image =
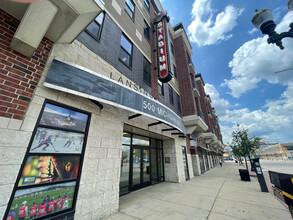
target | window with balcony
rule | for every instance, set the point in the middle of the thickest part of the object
(95, 28)
(125, 55)
(146, 71)
(129, 7)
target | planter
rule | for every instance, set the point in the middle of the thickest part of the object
(244, 175)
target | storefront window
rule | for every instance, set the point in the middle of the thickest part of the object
(140, 140)
(126, 138)
(141, 163)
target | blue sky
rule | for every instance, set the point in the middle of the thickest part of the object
(238, 66)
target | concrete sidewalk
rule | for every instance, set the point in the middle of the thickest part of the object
(218, 194)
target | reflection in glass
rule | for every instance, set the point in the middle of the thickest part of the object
(146, 166)
(154, 164)
(124, 173)
(126, 138)
(185, 162)
(160, 163)
(136, 166)
(139, 140)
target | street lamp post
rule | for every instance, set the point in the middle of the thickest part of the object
(264, 21)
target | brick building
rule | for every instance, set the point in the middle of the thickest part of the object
(83, 116)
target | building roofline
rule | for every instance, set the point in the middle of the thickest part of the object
(180, 25)
(199, 75)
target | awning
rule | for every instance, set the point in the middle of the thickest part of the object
(82, 82)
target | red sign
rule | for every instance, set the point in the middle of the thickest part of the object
(164, 72)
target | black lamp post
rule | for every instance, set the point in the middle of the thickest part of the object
(264, 21)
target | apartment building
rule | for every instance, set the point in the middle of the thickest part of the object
(98, 99)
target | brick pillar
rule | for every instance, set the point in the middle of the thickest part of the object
(19, 74)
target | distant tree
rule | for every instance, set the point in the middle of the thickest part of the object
(242, 145)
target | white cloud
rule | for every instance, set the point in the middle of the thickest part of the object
(274, 123)
(207, 30)
(221, 105)
(256, 60)
(253, 30)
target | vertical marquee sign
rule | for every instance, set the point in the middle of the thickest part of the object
(164, 67)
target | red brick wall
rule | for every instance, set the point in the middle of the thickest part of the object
(187, 99)
(202, 102)
(154, 73)
(19, 75)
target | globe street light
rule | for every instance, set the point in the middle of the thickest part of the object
(264, 21)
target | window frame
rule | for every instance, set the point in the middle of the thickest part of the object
(146, 26)
(144, 72)
(171, 95)
(172, 48)
(133, 12)
(147, 5)
(175, 71)
(161, 88)
(98, 37)
(130, 55)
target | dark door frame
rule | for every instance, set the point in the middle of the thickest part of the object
(142, 183)
(186, 159)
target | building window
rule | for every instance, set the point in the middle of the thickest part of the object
(95, 28)
(172, 48)
(129, 7)
(188, 58)
(146, 71)
(147, 4)
(171, 96)
(146, 30)
(161, 88)
(178, 103)
(125, 51)
(175, 71)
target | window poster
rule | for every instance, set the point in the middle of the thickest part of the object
(56, 141)
(38, 202)
(46, 169)
(50, 173)
(60, 117)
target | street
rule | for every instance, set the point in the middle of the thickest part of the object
(277, 166)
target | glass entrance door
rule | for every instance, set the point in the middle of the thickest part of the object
(141, 168)
(201, 161)
(185, 163)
